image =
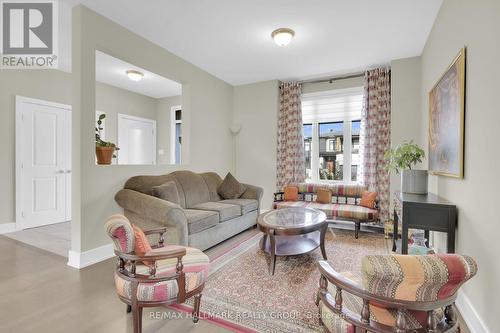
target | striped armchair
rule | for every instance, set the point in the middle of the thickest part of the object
(395, 293)
(166, 275)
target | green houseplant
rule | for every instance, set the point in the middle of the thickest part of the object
(104, 150)
(402, 159)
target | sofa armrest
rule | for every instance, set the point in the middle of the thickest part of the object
(153, 208)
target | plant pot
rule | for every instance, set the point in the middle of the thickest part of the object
(104, 155)
(414, 181)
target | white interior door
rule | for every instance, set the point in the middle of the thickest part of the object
(43, 162)
(136, 140)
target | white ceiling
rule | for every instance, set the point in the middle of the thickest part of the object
(111, 71)
(231, 38)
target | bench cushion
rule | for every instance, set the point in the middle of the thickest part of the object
(226, 211)
(247, 205)
(333, 211)
(343, 190)
(199, 220)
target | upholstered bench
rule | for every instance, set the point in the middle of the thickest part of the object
(344, 205)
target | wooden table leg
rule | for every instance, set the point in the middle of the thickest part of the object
(324, 229)
(273, 252)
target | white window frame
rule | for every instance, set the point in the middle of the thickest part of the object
(347, 133)
(174, 122)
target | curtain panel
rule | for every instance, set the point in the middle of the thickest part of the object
(290, 162)
(375, 136)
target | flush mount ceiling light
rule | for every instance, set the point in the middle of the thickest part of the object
(282, 36)
(134, 75)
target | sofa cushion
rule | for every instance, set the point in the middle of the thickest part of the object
(333, 211)
(199, 220)
(247, 205)
(230, 188)
(167, 191)
(226, 211)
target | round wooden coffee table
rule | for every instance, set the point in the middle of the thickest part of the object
(292, 231)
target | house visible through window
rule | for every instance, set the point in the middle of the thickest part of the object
(331, 134)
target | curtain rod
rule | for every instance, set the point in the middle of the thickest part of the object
(337, 78)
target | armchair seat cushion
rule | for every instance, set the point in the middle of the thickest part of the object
(199, 220)
(226, 211)
(414, 319)
(333, 210)
(196, 268)
(247, 205)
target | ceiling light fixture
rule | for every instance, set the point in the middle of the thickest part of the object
(134, 75)
(282, 36)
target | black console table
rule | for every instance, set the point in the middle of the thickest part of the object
(427, 212)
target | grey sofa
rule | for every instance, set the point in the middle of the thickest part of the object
(201, 219)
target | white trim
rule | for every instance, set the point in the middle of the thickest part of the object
(18, 146)
(173, 122)
(87, 258)
(470, 315)
(6, 228)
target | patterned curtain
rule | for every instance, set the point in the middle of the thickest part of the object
(375, 135)
(290, 162)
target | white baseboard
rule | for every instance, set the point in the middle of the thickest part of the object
(6, 228)
(470, 315)
(90, 257)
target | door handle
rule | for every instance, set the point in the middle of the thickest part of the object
(68, 171)
(60, 171)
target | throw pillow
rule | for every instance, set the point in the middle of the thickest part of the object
(323, 196)
(142, 245)
(291, 193)
(368, 199)
(230, 188)
(167, 191)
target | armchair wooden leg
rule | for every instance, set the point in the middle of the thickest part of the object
(357, 227)
(137, 317)
(129, 308)
(196, 308)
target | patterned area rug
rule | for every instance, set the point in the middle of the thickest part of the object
(241, 292)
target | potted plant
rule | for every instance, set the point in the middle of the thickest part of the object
(401, 159)
(104, 150)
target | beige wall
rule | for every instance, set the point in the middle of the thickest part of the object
(112, 101)
(207, 101)
(55, 86)
(163, 114)
(256, 109)
(50, 85)
(405, 108)
(475, 24)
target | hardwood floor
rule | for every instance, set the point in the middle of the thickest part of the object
(40, 293)
(55, 238)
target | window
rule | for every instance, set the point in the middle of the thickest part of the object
(331, 134)
(307, 133)
(176, 135)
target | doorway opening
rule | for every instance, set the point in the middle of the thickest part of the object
(43, 174)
